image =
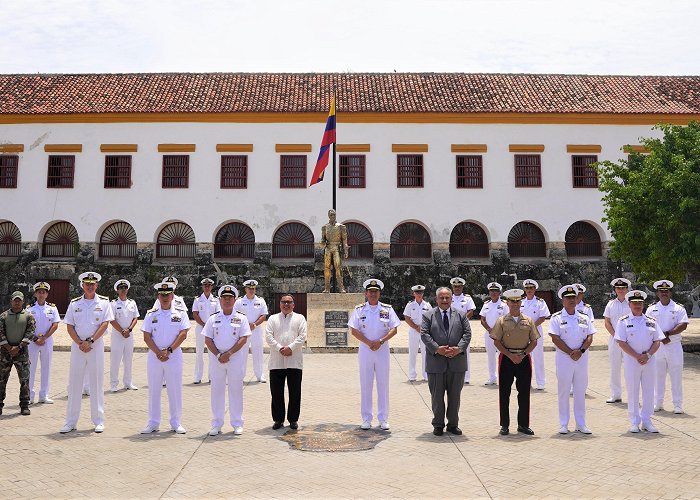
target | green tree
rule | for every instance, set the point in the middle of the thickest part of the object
(652, 205)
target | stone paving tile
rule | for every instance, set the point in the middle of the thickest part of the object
(37, 462)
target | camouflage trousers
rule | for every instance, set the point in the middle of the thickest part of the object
(21, 364)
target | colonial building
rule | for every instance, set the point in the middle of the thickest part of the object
(483, 175)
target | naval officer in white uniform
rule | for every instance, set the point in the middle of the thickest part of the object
(202, 308)
(41, 348)
(255, 309)
(164, 330)
(536, 308)
(464, 303)
(126, 315)
(87, 319)
(492, 309)
(373, 323)
(614, 310)
(413, 315)
(572, 334)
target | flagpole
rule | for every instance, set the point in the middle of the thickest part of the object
(336, 128)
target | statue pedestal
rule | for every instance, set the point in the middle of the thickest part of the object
(327, 316)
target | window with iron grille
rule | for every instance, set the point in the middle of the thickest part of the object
(582, 240)
(293, 240)
(176, 171)
(410, 241)
(293, 171)
(584, 174)
(118, 171)
(468, 240)
(61, 171)
(409, 171)
(8, 171)
(234, 171)
(352, 171)
(528, 171)
(470, 172)
(526, 240)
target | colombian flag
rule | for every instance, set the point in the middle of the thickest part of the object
(328, 139)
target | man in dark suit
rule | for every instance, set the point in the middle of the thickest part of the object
(446, 334)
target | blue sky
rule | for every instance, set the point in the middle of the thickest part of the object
(505, 36)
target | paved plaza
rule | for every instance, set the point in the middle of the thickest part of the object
(37, 461)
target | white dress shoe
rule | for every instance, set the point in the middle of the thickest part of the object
(113, 389)
(540, 387)
(584, 430)
(131, 387)
(649, 427)
(563, 430)
(99, 428)
(215, 431)
(678, 410)
(180, 430)
(31, 401)
(634, 429)
(614, 399)
(384, 425)
(66, 429)
(238, 430)
(47, 401)
(262, 380)
(150, 429)
(86, 392)
(490, 382)
(366, 425)
(658, 407)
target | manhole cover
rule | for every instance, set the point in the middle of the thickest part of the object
(334, 437)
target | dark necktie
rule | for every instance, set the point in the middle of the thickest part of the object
(445, 321)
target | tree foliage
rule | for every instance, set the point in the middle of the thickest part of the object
(652, 205)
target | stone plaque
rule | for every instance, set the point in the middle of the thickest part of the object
(336, 319)
(337, 338)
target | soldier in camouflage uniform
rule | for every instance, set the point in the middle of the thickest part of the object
(17, 328)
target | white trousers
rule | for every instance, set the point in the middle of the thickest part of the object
(121, 348)
(199, 355)
(230, 373)
(669, 360)
(491, 356)
(43, 354)
(468, 374)
(90, 366)
(537, 356)
(171, 372)
(255, 342)
(570, 374)
(615, 354)
(415, 342)
(374, 365)
(636, 374)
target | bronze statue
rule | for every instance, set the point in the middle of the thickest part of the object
(334, 238)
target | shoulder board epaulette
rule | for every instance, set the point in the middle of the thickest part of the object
(650, 317)
(625, 316)
(51, 304)
(556, 314)
(114, 300)
(540, 299)
(582, 314)
(467, 295)
(152, 310)
(587, 305)
(77, 298)
(385, 305)
(103, 297)
(358, 306)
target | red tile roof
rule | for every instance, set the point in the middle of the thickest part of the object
(356, 93)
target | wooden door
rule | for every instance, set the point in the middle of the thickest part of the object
(59, 294)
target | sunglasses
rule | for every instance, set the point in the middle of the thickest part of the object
(287, 302)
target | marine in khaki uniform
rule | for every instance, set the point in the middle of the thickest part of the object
(515, 336)
(17, 328)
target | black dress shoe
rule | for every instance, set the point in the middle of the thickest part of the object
(526, 430)
(276, 425)
(455, 430)
(25, 411)
(438, 431)
(504, 431)
(293, 425)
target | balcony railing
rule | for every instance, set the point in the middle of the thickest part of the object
(60, 249)
(410, 250)
(530, 249)
(293, 250)
(234, 250)
(584, 249)
(117, 250)
(361, 251)
(469, 250)
(10, 249)
(175, 250)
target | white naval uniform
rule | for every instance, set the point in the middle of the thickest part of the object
(464, 303)
(122, 348)
(536, 309)
(491, 311)
(415, 311)
(178, 303)
(45, 316)
(572, 329)
(639, 332)
(164, 326)
(614, 310)
(205, 307)
(225, 331)
(586, 309)
(253, 309)
(669, 357)
(86, 316)
(374, 322)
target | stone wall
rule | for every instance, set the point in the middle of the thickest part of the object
(307, 277)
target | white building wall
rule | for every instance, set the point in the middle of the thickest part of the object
(439, 205)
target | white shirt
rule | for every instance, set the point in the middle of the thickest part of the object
(251, 308)
(415, 311)
(491, 311)
(177, 303)
(165, 326)
(572, 329)
(586, 309)
(615, 309)
(536, 309)
(86, 316)
(668, 317)
(373, 321)
(463, 303)
(206, 306)
(286, 331)
(226, 330)
(124, 312)
(639, 332)
(45, 316)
